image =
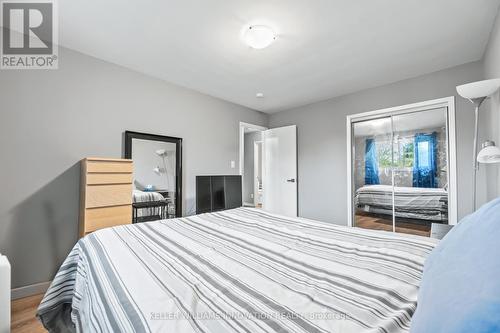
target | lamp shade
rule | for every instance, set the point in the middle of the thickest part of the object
(161, 152)
(479, 89)
(489, 153)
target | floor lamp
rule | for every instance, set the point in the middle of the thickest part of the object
(476, 93)
(163, 154)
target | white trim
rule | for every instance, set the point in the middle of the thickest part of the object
(448, 102)
(452, 164)
(30, 290)
(256, 162)
(5, 273)
(402, 109)
(350, 178)
(244, 125)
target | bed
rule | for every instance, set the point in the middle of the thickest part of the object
(410, 202)
(241, 270)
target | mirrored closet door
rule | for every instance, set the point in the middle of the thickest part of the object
(420, 170)
(400, 164)
(372, 173)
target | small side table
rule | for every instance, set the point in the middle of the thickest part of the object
(170, 197)
(160, 209)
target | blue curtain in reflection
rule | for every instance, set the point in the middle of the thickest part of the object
(371, 163)
(425, 161)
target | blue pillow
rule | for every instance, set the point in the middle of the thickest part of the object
(460, 288)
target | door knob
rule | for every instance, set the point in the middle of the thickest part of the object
(291, 180)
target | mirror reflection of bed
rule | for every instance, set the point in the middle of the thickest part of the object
(156, 166)
(400, 172)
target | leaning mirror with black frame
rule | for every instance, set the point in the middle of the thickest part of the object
(157, 187)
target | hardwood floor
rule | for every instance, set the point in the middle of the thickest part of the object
(382, 222)
(23, 313)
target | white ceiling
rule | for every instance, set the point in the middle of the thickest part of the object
(325, 48)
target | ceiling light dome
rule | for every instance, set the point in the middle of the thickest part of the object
(259, 36)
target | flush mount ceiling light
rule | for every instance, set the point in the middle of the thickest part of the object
(259, 36)
(259, 95)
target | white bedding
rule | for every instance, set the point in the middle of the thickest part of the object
(141, 196)
(404, 190)
(411, 202)
(241, 270)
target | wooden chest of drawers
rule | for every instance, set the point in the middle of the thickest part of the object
(106, 194)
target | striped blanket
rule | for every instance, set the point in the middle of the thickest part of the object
(409, 202)
(241, 270)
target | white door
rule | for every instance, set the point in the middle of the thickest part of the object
(279, 177)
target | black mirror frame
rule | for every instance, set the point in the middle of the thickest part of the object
(129, 135)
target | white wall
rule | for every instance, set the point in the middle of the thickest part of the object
(49, 120)
(322, 156)
(492, 53)
(146, 160)
(491, 110)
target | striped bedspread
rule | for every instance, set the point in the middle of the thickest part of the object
(241, 270)
(410, 202)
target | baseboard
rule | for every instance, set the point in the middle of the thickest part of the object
(248, 204)
(32, 289)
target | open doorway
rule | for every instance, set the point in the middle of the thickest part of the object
(251, 164)
(268, 166)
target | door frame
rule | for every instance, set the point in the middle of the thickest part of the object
(255, 168)
(448, 102)
(241, 162)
